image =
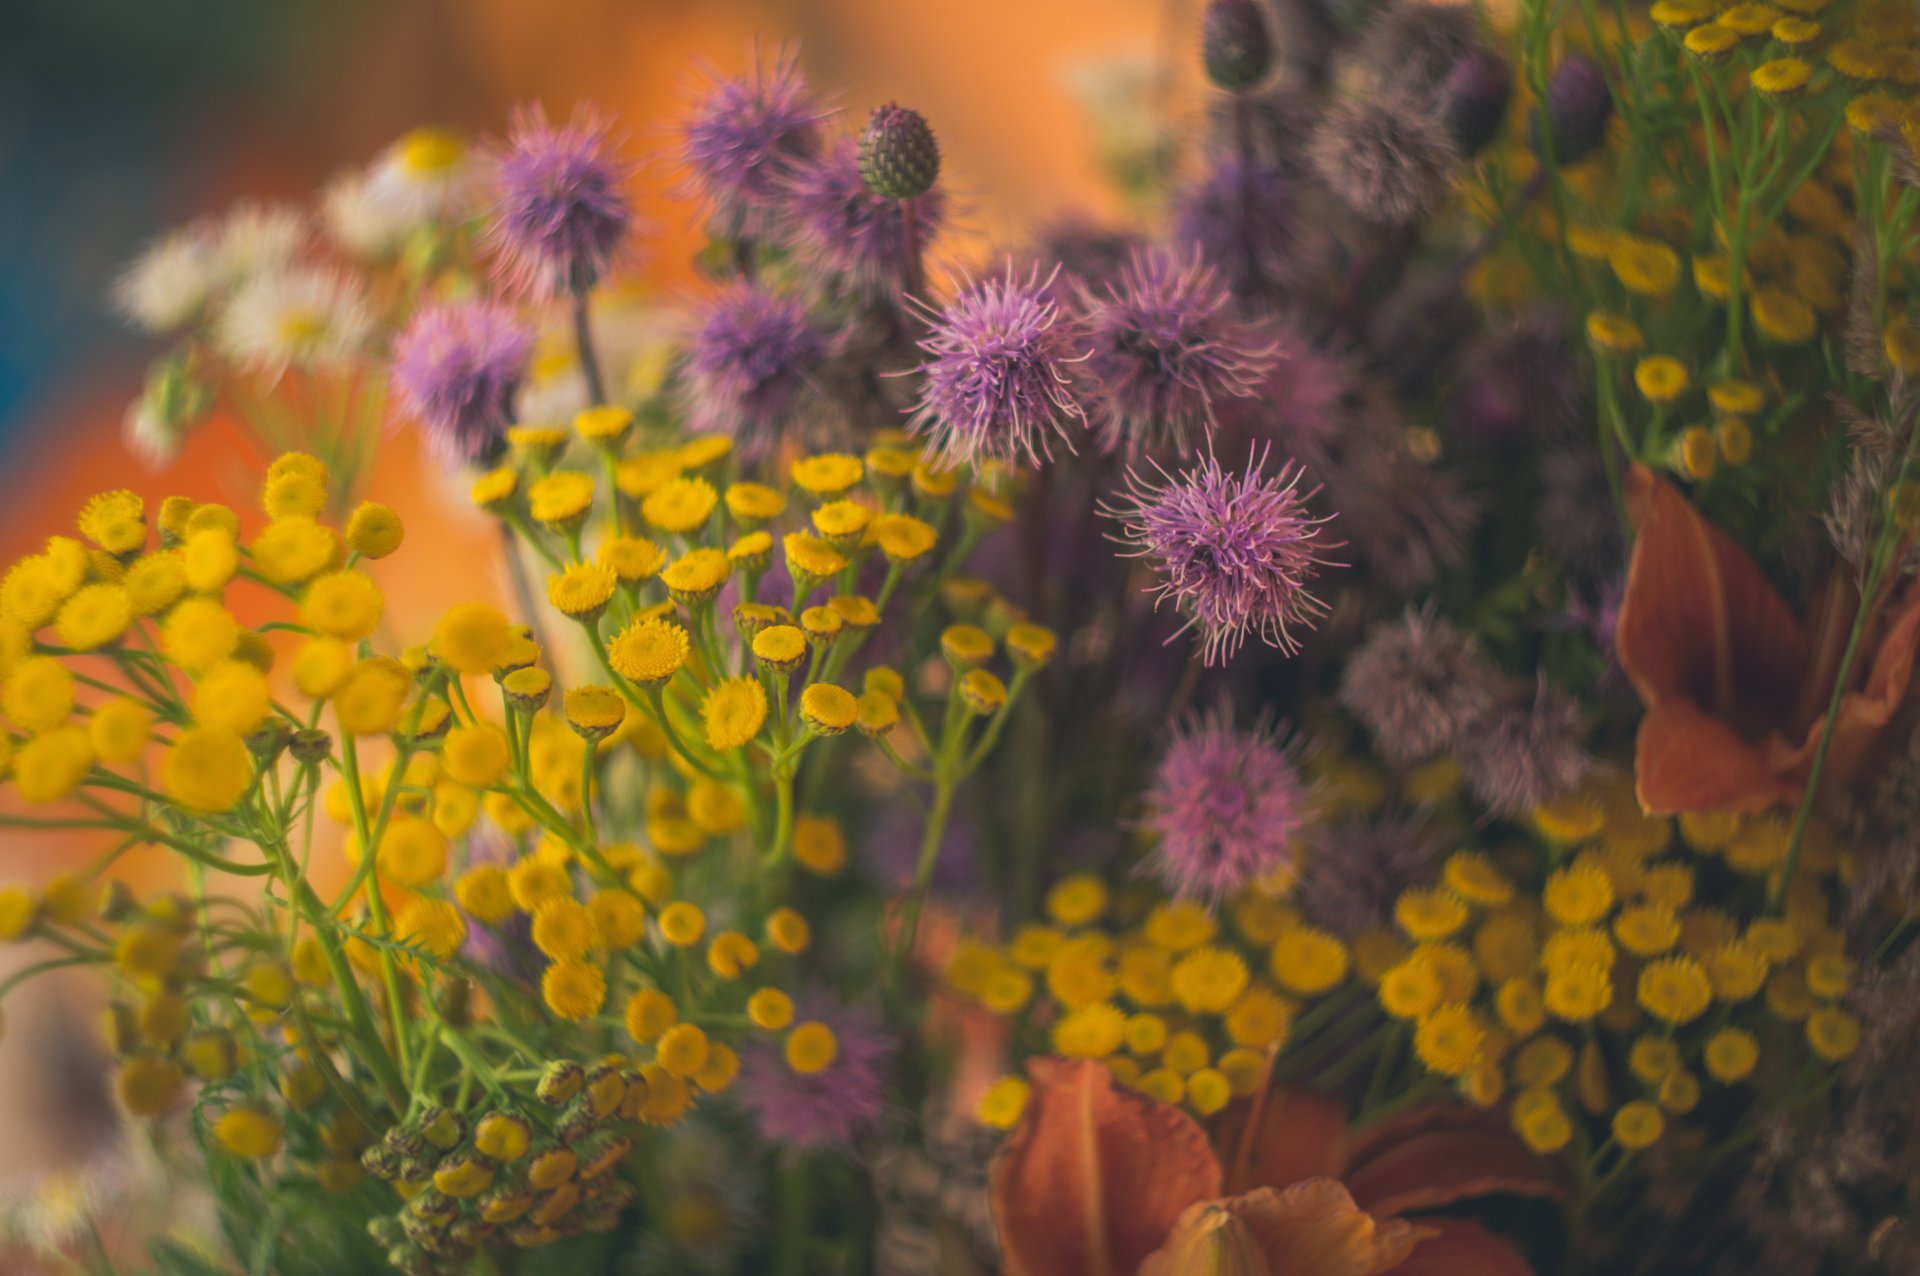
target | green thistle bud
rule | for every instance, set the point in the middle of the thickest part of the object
(899, 157)
(1235, 45)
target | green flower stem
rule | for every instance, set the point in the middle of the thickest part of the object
(658, 706)
(376, 904)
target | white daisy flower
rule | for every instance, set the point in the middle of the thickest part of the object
(163, 288)
(359, 221)
(308, 315)
(259, 239)
(427, 175)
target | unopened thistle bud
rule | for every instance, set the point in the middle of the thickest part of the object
(899, 157)
(1473, 99)
(1234, 44)
(1578, 106)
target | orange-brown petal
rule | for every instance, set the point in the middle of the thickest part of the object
(1699, 621)
(1442, 1153)
(1314, 1229)
(1865, 712)
(1280, 1136)
(1461, 1248)
(1094, 1177)
(1687, 760)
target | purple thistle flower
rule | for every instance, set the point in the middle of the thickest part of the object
(1247, 222)
(1521, 755)
(997, 383)
(842, 230)
(457, 368)
(749, 365)
(560, 207)
(744, 141)
(1227, 807)
(829, 1108)
(1235, 551)
(1357, 868)
(1417, 685)
(1388, 160)
(1575, 518)
(1165, 348)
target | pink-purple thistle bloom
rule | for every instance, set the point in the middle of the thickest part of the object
(998, 382)
(749, 365)
(1166, 348)
(1247, 223)
(1226, 806)
(1417, 685)
(745, 140)
(560, 212)
(1357, 868)
(825, 1109)
(1234, 552)
(1523, 754)
(457, 368)
(843, 231)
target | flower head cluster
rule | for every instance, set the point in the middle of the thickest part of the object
(750, 365)
(998, 378)
(744, 140)
(1227, 807)
(456, 370)
(561, 212)
(1236, 553)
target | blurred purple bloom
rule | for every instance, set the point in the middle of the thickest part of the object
(1409, 520)
(997, 383)
(1579, 106)
(1166, 346)
(843, 230)
(1521, 755)
(829, 1108)
(1235, 552)
(749, 365)
(1247, 223)
(456, 368)
(1388, 160)
(1303, 405)
(1522, 381)
(1088, 252)
(1227, 807)
(744, 141)
(560, 205)
(1357, 868)
(1576, 519)
(1417, 684)
(891, 852)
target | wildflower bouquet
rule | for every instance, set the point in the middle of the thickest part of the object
(1385, 782)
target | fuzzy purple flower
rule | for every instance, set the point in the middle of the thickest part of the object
(1235, 552)
(1388, 160)
(829, 1108)
(1247, 222)
(457, 368)
(997, 383)
(560, 210)
(1356, 869)
(1521, 755)
(1227, 807)
(1166, 347)
(743, 143)
(842, 230)
(749, 366)
(1417, 685)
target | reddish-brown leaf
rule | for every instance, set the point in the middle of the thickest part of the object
(1094, 1177)
(1687, 760)
(1699, 622)
(1280, 1136)
(1442, 1153)
(1460, 1248)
